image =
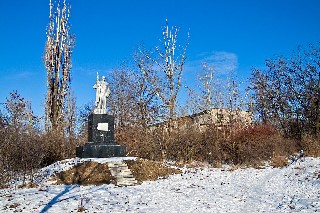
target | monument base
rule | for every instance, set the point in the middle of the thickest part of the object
(95, 150)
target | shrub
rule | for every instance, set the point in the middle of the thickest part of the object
(144, 170)
(259, 143)
(279, 161)
(214, 145)
(311, 146)
(141, 143)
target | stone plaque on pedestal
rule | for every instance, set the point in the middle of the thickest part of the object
(101, 128)
(101, 143)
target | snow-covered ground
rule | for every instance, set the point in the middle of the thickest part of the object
(295, 188)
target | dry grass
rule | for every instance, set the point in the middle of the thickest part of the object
(93, 173)
(144, 170)
(86, 173)
(311, 146)
(236, 167)
(81, 209)
(13, 206)
(279, 161)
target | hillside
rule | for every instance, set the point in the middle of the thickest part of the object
(295, 188)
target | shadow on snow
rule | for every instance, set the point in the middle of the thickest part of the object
(56, 199)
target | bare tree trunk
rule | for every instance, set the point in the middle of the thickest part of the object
(172, 66)
(57, 60)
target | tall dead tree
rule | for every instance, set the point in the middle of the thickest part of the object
(170, 61)
(211, 88)
(168, 66)
(57, 60)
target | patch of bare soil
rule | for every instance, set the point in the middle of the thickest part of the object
(144, 170)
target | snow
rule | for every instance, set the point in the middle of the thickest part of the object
(295, 188)
(43, 175)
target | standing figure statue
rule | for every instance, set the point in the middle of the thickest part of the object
(102, 92)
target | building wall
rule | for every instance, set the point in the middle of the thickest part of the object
(219, 118)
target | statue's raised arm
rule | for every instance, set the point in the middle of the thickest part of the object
(102, 92)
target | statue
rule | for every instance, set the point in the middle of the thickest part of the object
(101, 142)
(102, 92)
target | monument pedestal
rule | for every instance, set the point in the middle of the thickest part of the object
(101, 142)
(91, 150)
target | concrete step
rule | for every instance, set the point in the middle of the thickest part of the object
(120, 170)
(116, 164)
(122, 174)
(127, 179)
(127, 182)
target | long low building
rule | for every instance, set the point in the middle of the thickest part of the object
(221, 118)
(213, 117)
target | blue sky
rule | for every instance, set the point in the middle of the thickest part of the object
(229, 33)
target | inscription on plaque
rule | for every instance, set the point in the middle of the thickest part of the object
(103, 127)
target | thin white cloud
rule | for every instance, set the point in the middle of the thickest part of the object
(21, 75)
(85, 70)
(223, 62)
(89, 72)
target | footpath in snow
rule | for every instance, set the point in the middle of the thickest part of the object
(295, 188)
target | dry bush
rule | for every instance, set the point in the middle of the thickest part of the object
(20, 145)
(279, 161)
(144, 170)
(250, 146)
(53, 148)
(311, 146)
(20, 156)
(23, 146)
(57, 147)
(187, 145)
(256, 144)
(141, 143)
(182, 145)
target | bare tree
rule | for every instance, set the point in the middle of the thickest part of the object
(169, 63)
(57, 60)
(224, 103)
(259, 86)
(122, 99)
(20, 147)
(149, 107)
(211, 89)
(287, 92)
(234, 99)
(193, 103)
